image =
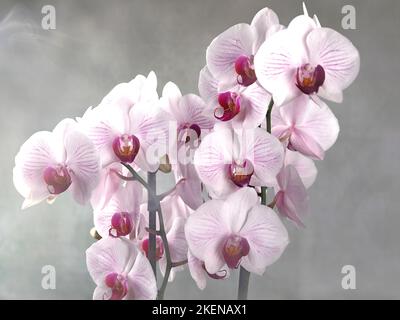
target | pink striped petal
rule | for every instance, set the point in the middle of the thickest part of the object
(265, 22)
(227, 47)
(141, 281)
(110, 255)
(292, 197)
(205, 232)
(304, 166)
(339, 58)
(83, 161)
(34, 156)
(212, 160)
(265, 152)
(267, 238)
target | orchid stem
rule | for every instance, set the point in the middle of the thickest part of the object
(168, 268)
(244, 278)
(152, 208)
(268, 117)
(244, 275)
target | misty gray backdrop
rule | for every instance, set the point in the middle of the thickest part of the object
(46, 76)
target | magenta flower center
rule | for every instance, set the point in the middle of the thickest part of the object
(57, 179)
(126, 147)
(121, 224)
(159, 247)
(118, 285)
(244, 67)
(229, 106)
(189, 133)
(234, 249)
(240, 173)
(309, 78)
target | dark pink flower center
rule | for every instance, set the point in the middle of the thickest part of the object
(234, 249)
(57, 179)
(217, 276)
(121, 224)
(244, 67)
(118, 285)
(189, 133)
(159, 247)
(309, 78)
(229, 106)
(240, 173)
(126, 147)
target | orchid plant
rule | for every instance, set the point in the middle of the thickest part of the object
(258, 125)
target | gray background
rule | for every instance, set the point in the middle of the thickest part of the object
(48, 75)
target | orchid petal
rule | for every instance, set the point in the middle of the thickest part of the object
(267, 238)
(205, 231)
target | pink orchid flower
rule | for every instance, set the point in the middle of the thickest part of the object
(200, 274)
(291, 196)
(239, 105)
(129, 129)
(187, 113)
(50, 163)
(306, 59)
(228, 160)
(230, 56)
(237, 231)
(120, 271)
(175, 212)
(305, 126)
(119, 217)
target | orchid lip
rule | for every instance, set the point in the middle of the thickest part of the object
(126, 147)
(118, 285)
(121, 224)
(57, 179)
(309, 78)
(229, 106)
(241, 173)
(219, 275)
(159, 247)
(189, 133)
(234, 249)
(244, 67)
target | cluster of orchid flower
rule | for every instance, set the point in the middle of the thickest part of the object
(258, 124)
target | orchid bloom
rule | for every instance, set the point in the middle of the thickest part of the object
(128, 126)
(50, 163)
(306, 59)
(187, 112)
(234, 232)
(119, 217)
(174, 212)
(230, 56)
(228, 160)
(305, 126)
(239, 106)
(120, 271)
(200, 274)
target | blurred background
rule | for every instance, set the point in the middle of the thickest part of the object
(47, 75)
